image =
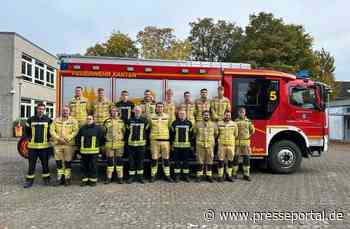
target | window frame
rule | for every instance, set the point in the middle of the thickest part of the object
(290, 91)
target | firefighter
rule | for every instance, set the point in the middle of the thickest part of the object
(137, 132)
(78, 106)
(160, 146)
(188, 106)
(170, 106)
(226, 145)
(245, 131)
(202, 104)
(101, 107)
(125, 106)
(89, 139)
(63, 131)
(181, 133)
(114, 147)
(219, 105)
(206, 132)
(148, 105)
(37, 132)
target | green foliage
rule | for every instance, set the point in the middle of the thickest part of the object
(214, 41)
(119, 44)
(161, 43)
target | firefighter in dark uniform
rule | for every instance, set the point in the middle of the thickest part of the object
(137, 132)
(37, 132)
(89, 139)
(245, 131)
(125, 106)
(181, 136)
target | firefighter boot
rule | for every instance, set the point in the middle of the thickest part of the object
(131, 177)
(166, 169)
(154, 171)
(67, 173)
(229, 172)
(140, 176)
(246, 168)
(28, 183)
(221, 171)
(209, 174)
(199, 176)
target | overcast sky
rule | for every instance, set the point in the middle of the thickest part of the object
(62, 26)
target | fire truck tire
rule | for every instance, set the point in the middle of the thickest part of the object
(22, 147)
(285, 157)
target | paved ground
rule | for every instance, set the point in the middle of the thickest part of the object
(322, 184)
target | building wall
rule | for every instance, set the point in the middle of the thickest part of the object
(6, 84)
(336, 123)
(31, 90)
(12, 47)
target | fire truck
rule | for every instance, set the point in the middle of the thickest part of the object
(288, 112)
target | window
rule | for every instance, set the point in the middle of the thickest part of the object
(259, 96)
(137, 87)
(303, 97)
(194, 86)
(50, 77)
(26, 108)
(27, 68)
(50, 109)
(39, 74)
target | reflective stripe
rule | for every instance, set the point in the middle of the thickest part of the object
(92, 179)
(229, 171)
(45, 175)
(154, 170)
(132, 172)
(166, 170)
(140, 142)
(140, 172)
(199, 173)
(90, 150)
(60, 172)
(67, 173)
(184, 144)
(221, 172)
(30, 176)
(110, 169)
(186, 171)
(246, 170)
(209, 173)
(85, 179)
(234, 170)
(39, 145)
(177, 170)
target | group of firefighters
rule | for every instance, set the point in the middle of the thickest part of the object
(203, 125)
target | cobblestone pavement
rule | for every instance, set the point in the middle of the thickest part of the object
(322, 184)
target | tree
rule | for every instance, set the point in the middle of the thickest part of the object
(118, 44)
(269, 42)
(161, 43)
(324, 70)
(215, 41)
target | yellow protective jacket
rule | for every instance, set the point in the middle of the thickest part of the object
(206, 133)
(78, 109)
(66, 128)
(159, 124)
(245, 131)
(170, 110)
(101, 111)
(115, 132)
(228, 131)
(190, 111)
(200, 106)
(148, 108)
(218, 108)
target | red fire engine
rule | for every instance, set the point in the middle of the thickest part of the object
(288, 112)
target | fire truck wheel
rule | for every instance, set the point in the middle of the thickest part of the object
(284, 157)
(22, 147)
